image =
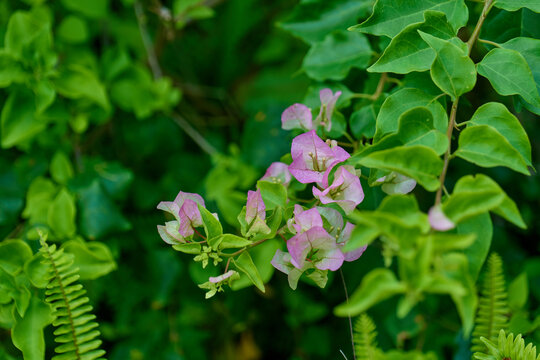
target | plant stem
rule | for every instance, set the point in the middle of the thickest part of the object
(476, 31)
(449, 131)
(378, 90)
(349, 316)
(242, 250)
(493, 43)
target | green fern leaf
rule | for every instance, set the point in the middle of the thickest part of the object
(76, 332)
(493, 308)
(507, 347)
(365, 339)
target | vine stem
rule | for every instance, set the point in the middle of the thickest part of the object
(158, 73)
(476, 31)
(449, 131)
(348, 315)
(244, 249)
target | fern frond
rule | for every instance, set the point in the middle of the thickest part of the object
(365, 339)
(492, 315)
(507, 347)
(76, 332)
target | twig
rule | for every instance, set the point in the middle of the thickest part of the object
(493, 43)
(349, 315)
(378, 91)
(476, 31)
(158, 73)
(449, 131)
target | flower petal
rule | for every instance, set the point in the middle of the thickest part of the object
(297, 116)
(438, 219)
(278, 172)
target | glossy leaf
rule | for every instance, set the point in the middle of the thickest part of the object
(62, 213)
(13, 255)
(408, 51)
(37, 271)
(378, 285)
(418, 162)
(513, 5)
(94, 259)
(452, 70)
(245, 264)
(273, 194)
(494, 66)
(336, 55)
(483, 145)
(212, 226)
(390, 17)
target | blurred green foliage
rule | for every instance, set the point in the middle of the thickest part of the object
(95, 98)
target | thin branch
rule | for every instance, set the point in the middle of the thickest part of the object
(349, 315)
(449, 131)
(476, 31)
(493, 43)
(193, 134)
(378, 91)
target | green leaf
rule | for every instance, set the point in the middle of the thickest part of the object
(94, 259)
(313, 20)
(401, 101)
(61, 169)
(39, 197)
(529, 49)
(28, 33)
(27, 333)
(62, 213)
(453, 71)
(336, 55)
(13, 255)
(18, 121)
(273, 194)
(418, 162)
(482, 227)
(446, 242)
(72, 30)
(513, 5)
(93, 9)
(230, 241)
(36, 269)
(378, 285)
(361, 236)
(362, 121)
(416, 128)
(494, 66)
(77, 82)
(483, 145)
(498, 117)
(212, 226)
(474, 195)
(390, 17)
(518, 292)
(245, 264)
(408, 52)
(262, 256)
(188, 248)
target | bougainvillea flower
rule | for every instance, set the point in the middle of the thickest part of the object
(438, 220)
(222, 277)
(282, 262)
(328, 103)
(186, 212)
(396, 183)
(317, 247)
(334, 220)
(256, 213)
(297, 116)
(304, 220)
(346, 190)
(278, 172)
(313, 159)
(344, 237)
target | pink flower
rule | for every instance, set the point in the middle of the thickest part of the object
(313, 159)
(278, 172)
(186, 212)
(304, 220)
(317, 247)
(438, 219)
(222, 277)
(328, 102)
(346, 190)
(344, 237)
(282, 262)
(256, 213)
(297, 116)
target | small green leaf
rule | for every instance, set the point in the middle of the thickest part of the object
(36, 269)
(336, 55)
(453, 71)
(94, 259)
(188, 248)
(518, 292)
(390, 17)
(245, 264)
(62, 213)
(494, 66)
(483, 145)
(497, 116)
(407, 51)
(230, 241)
(72, 30)
(39, 197)
(482, 227)
(401, 101)
(418, 162)
(212, 226)
(27, 333)
(61, 169)
(273, 194)
(378, 285)
(77, 82)
(13, 255)
(513, 5)
(94, 9)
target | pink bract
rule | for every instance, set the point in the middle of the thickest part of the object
(313, 159)
(346, 190)
(328, 103)
(319, 246)
(297, 116)
(304, 220)
(438, 220)
(255, 206)
(278, 172)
